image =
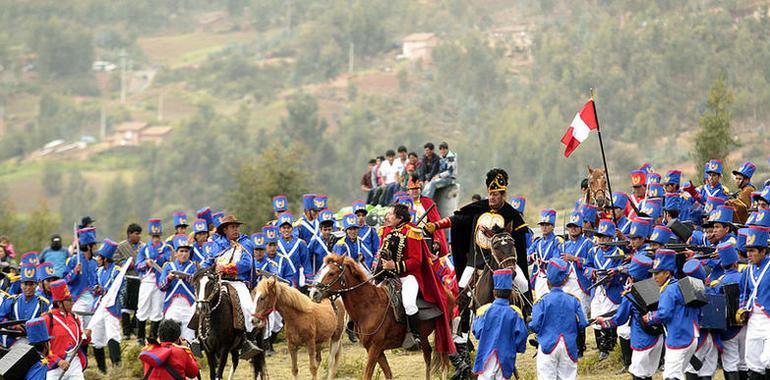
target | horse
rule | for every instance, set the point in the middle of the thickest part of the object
(368, 305)
(597, 188)
(306, 322)
(215, 328)
(503, 256)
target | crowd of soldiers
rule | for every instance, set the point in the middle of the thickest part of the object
(665, 232)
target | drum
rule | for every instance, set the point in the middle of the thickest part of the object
(732, 303)
(714, 313)
(15, 364)
(132, 292)
(645, 295)
(693, 291)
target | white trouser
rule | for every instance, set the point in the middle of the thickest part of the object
(758, 341)
(181, 311)
(734, 352)
(644, 363)
(150, 306)
(541, 286)
(465, 278)
(492, 370)
(274, 324)
(601, 304)
(624, 331)
(557, 365)
(84, 306)
(677, 360)
(105, 328)
(74, 372)
(247, 304)
(708, 354)
(409, 290)
(573, 287)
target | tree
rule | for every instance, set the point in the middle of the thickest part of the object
(63, 49)
(77, 200)
(37, 228)
(113, 213)
(8, 225)
(51, 180)
(715, 139)
(303, 123)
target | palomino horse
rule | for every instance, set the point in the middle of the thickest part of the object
(307, 323)
(597, 193)
(215, 330)
(368, 306)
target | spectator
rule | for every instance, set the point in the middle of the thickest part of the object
(430, 163)
(56, 255)
(447, 171)
(390, 174)
(129, 247)
(4, 256)
(403, 157)
(7, 246)
(414, 159)
(366, 181)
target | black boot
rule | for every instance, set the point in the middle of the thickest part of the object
(690, 376)
(270, 341)
(460, 362)
(140, 332)
(581, 342)
(601, 344)
(101, 362)
(625, 349)
(114, 348)
(250, 348)
(125, 323)
(351, 330)
(412, 339)
(154, 330)
(751, 375)
(743, 375)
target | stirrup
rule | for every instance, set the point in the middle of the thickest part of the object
(249, 350)
(410, 343)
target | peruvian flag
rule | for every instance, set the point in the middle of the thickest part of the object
(578, 130)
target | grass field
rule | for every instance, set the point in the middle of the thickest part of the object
(190, 48)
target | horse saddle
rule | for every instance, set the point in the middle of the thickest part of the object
(239, 322)
(427, 310)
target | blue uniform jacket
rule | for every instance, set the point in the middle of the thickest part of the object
(306, 229)
(177, 287)
(295, 250)
(542, 250)
(347, 247)
(715, 264)
(580, 248)
(756, 277)
(624, 225)
(18, 307)
(558, 316)
(680, 320)
(38, 371)
(316, 252)
(80, 282)
(198, 254)
(278, 265)
(640, 340)
(160, 253)
(105, 277)
(501, 332)
(707, 190)
(369, 238)
(244, 265)
(597, 261)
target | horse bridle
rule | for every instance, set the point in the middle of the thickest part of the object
(206, 319)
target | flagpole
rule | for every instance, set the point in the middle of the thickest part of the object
(601, 146)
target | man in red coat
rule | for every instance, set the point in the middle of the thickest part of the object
(168, 359)
(66, 331)
(421, 204)
(406, 254)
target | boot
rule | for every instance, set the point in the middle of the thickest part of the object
(125, 323)
(140, 332)
(351, 330)
(412, 338)
(690, 376)
(101, 362)
(114, 348)
(458, 359)
(249, 348)
(755, 375)
(601, 344)
(743, 375)
(625, 349)
(154, 330)
(581, 342)
(270, 351)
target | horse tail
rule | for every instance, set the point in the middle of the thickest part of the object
(439, 362)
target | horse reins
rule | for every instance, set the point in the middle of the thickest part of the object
(206, 319)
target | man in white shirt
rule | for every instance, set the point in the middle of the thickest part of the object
(390, 171)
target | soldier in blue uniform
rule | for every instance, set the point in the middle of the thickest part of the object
(177, 285)
(149, 263)
(556, 319)
(720, 227)
(81, 274)
(575, 252)
(590, 218)
(713, 187)
(653, 209)
(206, 214)
(680, 320)
(279, 265)
(707, 351)
(671, 183)
(307, 225)
(352, 245)
(180, 226)
(619, 204)
(368, 234)
(501, 331)
(638, 234)
(755, 301)
(26, 305)
(105, 331)
(660, 236)
(320, 245)
(37, 336)
(46, 273)
(542, 250)
(200, 237)
(292, 248)
(762, 199)
(280, 205)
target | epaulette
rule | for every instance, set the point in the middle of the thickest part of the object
(14, 277)
(271, 261)
(182, 347)
(483, 309)
(41, 298)
(560, 239)
(340, 242)
(685, 195)
(742, 266)
(414, 233)
(518, 311)
(623, 293)
(523, 225)
(714, 283)
(573, 296)
(297, 223)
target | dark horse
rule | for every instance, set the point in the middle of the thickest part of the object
(215, 328)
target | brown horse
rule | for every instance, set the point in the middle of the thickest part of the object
(307, 323)
(368, 306)
(597, 193)
(503, 256)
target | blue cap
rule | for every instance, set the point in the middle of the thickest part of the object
(108, 248)
(694, 268)
(326, 216)
(205, 214)
(547, 216)
(639, 267)
(321, 202)
(655, 190)
(285, 218)
(647, 168)
(210, 248)
(761, 218)
(360, 206)
(87, 235)
(406, 201)
(557, 272)
(640, 228)
(260, 242)
(200, 225)
(661, 235)
(756, 237)
(46, 271)
(349, 221)
(280, 203)
(217, 218)
(181, 241)
(503, 279)
(712, 203)
(746, 170)
(653, 178)
(651, 208)
(575, 219)
(673, 202)
(37, 330)
(619, 200)
(519, 203)
(722, 214)
(589, 213)
(740, 240)
(728, 255)
(271, 234)
(29, 258)
(764, 195)
(155, 227)
(694, 216)
(713, 166)
(307, 202)
(673, 177)
(28, 273)
(665, 259)
(606, 228)
(180, 219)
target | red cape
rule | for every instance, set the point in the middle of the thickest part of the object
(438, 235)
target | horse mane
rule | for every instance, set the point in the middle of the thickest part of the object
(292, 297)
(357, 272)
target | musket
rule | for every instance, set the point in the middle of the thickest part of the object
(622, 243)
(77, 241)
(180, 274)
(70, 356)
(12, 323)
(425, 214)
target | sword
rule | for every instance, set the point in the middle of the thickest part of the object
(425, 214)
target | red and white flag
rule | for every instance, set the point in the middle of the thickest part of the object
(578, 130)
